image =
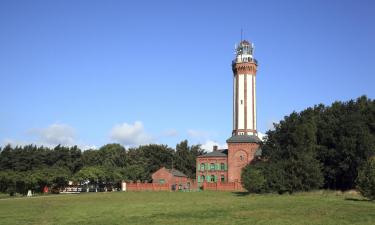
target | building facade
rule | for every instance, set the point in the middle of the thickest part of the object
(213, 166)
(225, 165)
(173, 177)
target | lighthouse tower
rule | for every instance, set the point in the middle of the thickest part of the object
(244, 143)
(244, 68)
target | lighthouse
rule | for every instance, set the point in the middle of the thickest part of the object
(244, 68)
(243, 145)
(225, 165)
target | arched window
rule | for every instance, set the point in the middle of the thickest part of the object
(212, 166)
(222, 166)
(203, 178)
(222, 178)
(212, 178)
(202, 166)
(241, 157)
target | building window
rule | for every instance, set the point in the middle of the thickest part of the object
(222, 178)
(202, 178)
(222, 166)
(212, 166)
(161, 181)
(241, 157)
(241, 102)
(202, 166)
(212, 178)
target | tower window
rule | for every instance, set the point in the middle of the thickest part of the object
(241, 157)
(241, 102)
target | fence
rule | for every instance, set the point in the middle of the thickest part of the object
(147, 187)
(230, 186)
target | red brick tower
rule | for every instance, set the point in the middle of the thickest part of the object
(244, 142)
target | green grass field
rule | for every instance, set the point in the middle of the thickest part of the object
(188, 208)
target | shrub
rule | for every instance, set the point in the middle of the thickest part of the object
(366, 179)
(253, 179)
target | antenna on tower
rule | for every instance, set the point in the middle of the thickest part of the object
(241, 34)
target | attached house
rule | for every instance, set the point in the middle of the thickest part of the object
(173, 177)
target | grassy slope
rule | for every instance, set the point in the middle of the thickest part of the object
(188, 208)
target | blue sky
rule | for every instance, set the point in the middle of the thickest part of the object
(95, 72)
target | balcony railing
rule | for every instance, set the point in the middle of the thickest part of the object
(245, 60)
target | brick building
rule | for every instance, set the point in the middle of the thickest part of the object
(172, 177)
(225, 165)
(244, 145)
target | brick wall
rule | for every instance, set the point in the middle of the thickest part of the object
(208, 172)
(163, 175)
(239, 155)
(147, 187)
(229, 186)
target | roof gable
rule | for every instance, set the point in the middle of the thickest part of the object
(218, 153)
(176, 173)
(173, 172)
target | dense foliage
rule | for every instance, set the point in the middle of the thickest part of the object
(253, 179)
(31, 167)
(366, 179)
(321, 146)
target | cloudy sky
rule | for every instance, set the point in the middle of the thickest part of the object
(95, 72)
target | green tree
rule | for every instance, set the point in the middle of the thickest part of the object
(185, 158)
(366, 179)
(253, 179)
(290, 151)
(335, 140)
(153, 157)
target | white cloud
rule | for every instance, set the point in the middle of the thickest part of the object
(261, 135)
(130, 134)
(55, 134)
(270, 125)
(50, 136)
(208, 145)
(86, 147)
(170, 133)
(12, 142)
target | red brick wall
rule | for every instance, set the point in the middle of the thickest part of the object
(147, 187)
(207, 172)
(230, 186)
(162, 173)
(239, 155)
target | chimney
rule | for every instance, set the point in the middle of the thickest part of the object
(214, 148)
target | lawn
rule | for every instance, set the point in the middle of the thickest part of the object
(188, 208)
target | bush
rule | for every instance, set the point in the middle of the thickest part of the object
(366, 179)
(253, 179)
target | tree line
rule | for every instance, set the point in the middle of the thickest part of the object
(319, 147)
(32, 167)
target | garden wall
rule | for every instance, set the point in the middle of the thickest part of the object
(230, 186)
